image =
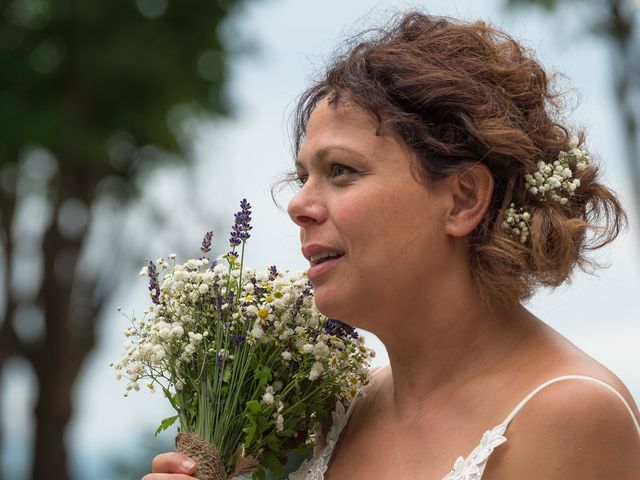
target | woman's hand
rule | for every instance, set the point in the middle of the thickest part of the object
(171, 466)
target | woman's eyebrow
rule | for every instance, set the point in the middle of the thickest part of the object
(322, 154)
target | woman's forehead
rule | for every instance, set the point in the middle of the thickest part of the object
(343, 127)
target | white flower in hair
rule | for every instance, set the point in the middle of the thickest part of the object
(517, 223)
(550, 181)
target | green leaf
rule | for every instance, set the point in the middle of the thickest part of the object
(263, 375)
(259, 474)
(174, 401)
(254, 406)
(166, 423)
(226, 376)
(250, 431)
(272, 442)
(272, 462)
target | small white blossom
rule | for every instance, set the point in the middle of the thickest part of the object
(176, 331)
(316, 370)
(195, 338)
(256, 331)
(517, 223)
(267, 397)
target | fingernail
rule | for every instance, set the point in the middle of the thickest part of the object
(188, 465)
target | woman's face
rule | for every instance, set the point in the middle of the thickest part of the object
(373, 234)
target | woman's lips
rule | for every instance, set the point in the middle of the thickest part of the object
(316, 271)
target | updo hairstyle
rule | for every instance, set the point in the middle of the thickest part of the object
(457, 93)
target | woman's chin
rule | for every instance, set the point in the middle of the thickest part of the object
(329, 305)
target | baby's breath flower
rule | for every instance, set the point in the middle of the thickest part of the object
(286, 355)
(517, 223)
(551, 180)
(316, 370)
(268, 397)
(279, 423)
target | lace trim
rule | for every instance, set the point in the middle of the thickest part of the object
(472, 467)
(314, 468)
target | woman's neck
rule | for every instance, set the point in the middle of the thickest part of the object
(434, 355)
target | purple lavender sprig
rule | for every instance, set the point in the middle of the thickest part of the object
(339, 329)
(273, 272)
(220, 362)
(206, 242)
(242, 226)
(154, 285)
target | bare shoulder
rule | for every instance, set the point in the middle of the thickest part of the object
(574, 429)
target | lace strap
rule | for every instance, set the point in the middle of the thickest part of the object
(537, 390)
(341, 417)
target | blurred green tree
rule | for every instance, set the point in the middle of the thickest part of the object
(91, 94)
(618, 23)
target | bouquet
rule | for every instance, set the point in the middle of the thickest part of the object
(251, 368)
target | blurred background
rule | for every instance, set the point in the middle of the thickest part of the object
(128, 128)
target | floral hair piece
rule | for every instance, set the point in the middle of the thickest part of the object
(516, 222)
(551, 181)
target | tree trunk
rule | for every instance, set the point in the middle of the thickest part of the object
(9, 342)
(70, 316)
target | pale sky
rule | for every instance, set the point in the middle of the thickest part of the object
(244, 157)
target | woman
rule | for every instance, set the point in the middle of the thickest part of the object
(439, 188)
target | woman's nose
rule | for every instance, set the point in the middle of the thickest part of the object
(306, 208)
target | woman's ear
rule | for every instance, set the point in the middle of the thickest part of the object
(471, 195)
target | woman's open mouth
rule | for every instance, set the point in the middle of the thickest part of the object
(322, 263)
(323, 257)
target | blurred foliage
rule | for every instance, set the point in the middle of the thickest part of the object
(91, 94)
(74, 73)
(548, 5)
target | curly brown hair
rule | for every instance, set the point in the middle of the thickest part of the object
(456, 92)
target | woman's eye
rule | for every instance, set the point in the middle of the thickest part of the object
(338, 170)
(300, 180)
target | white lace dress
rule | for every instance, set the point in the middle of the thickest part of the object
(470, 468)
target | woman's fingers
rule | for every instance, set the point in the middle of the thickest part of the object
(172, 462)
